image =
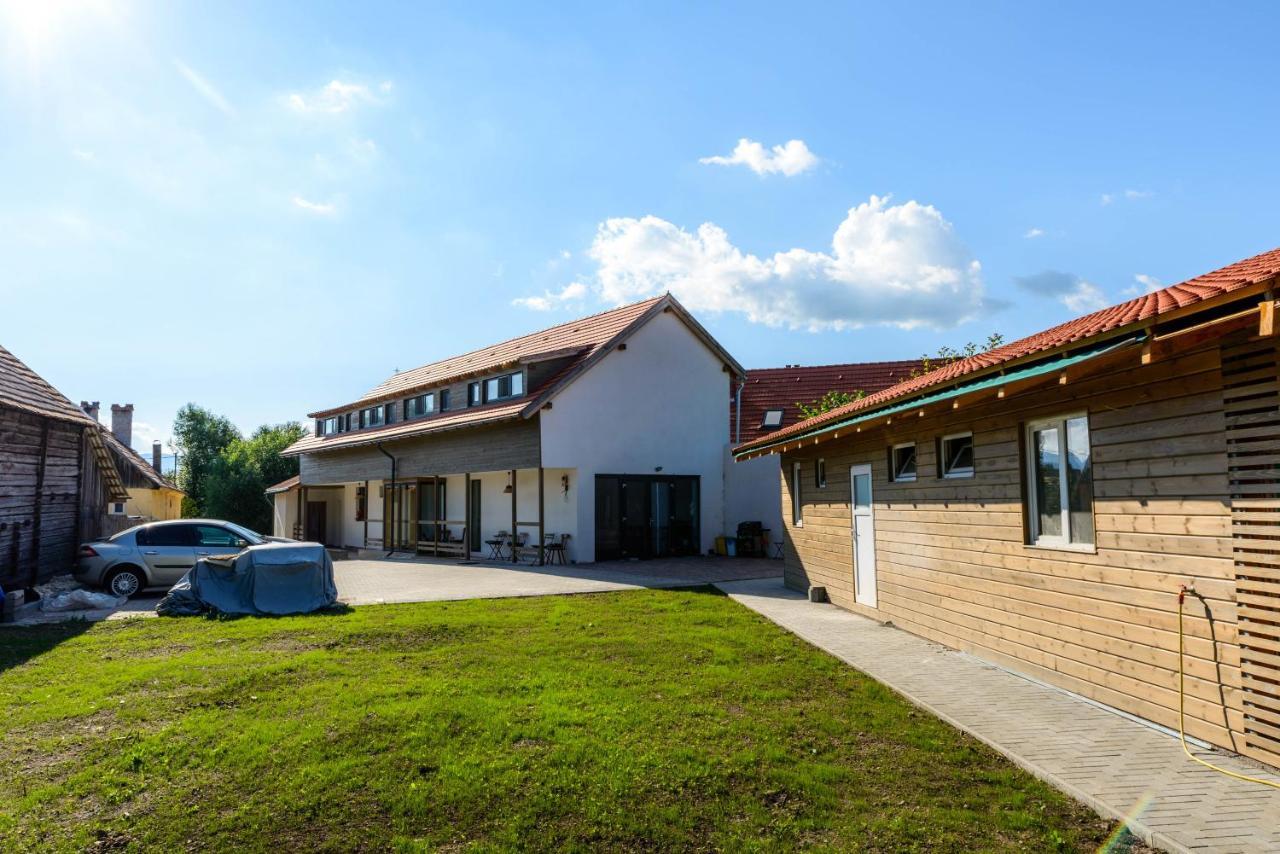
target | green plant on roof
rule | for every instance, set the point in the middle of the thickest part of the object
(829, 401)
(946, 355)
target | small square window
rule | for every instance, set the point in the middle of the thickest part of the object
(957, 455)
(902, 463)
(820, 473)
(772, 418)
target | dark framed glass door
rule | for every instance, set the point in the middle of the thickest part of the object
(646, 516)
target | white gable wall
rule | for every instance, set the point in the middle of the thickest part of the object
(659, 403)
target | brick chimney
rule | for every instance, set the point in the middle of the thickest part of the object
(155, 455)
(90, 409)
(122, 423)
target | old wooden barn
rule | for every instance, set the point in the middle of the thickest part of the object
(1042, 504)
(57, 478)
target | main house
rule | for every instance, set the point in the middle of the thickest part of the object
(1042, 504)
(58, 478)
(607, 434)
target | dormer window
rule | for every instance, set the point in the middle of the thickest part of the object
(501, 388)
(330, 426)
(423, 404)
(772, 418)
(374, 416)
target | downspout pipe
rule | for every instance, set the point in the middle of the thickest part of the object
(387, 526)
(737, 418)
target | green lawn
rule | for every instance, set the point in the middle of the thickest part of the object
(641, 720)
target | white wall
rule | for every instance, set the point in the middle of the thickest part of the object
(753, 493)
(662, 402)
(376, 499)
(286, 513)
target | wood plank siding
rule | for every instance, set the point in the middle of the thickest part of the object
(41, 462)
(497, 447)
(954, 564)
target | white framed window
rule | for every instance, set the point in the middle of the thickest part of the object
(772, 418)
(902, 463)
(820, 473)
(956, 455)
(1060, 482)
(797, 505)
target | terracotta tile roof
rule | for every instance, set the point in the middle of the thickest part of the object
(285, 485)
(1242, 274)
(582, 336)
(22, 388)
(782, 388)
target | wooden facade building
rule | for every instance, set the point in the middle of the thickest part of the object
(1043, 504)
(56, 477)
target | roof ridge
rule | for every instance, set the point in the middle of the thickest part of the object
(534, 333)
(838, 365)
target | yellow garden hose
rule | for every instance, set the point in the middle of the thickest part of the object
(1182, 595)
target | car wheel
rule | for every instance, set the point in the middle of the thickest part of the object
(125, 582)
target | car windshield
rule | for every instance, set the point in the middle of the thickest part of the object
(254, 539)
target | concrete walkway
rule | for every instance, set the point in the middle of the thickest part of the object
(382, 581)
(1123, 769)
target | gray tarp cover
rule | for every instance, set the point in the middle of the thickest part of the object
(275, 578)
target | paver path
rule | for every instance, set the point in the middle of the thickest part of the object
(1121, 768)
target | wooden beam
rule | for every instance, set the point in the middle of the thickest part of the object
(1267, 317)
(542, 517)
(515, 525)
(466, 515)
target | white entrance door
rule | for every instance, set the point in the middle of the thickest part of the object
(864, 536)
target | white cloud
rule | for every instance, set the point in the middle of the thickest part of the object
(82, 154)
(1069, 289)
(571, 293)
(1086, 297)
(204, 87)
(321, 208)
(900, 265)
(335, 97)
(1033, 233)
(789, 159)
(1128, 195)
(1145, 285)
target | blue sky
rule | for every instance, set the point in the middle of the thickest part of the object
(268, 209)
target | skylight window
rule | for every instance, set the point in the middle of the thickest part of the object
(772, 418)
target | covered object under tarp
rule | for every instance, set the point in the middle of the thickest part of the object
(274, 578)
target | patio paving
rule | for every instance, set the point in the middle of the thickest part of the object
(381, 581)
(1123, 769)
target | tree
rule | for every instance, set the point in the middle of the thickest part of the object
(946, 355)
(238, 480)
(829, 401)
(199, 438)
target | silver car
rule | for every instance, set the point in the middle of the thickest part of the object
(157, 554)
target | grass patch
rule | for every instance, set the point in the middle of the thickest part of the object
(650, 720)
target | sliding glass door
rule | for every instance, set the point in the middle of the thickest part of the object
(646, 516)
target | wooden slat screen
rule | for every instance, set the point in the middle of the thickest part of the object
(1251, 403)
